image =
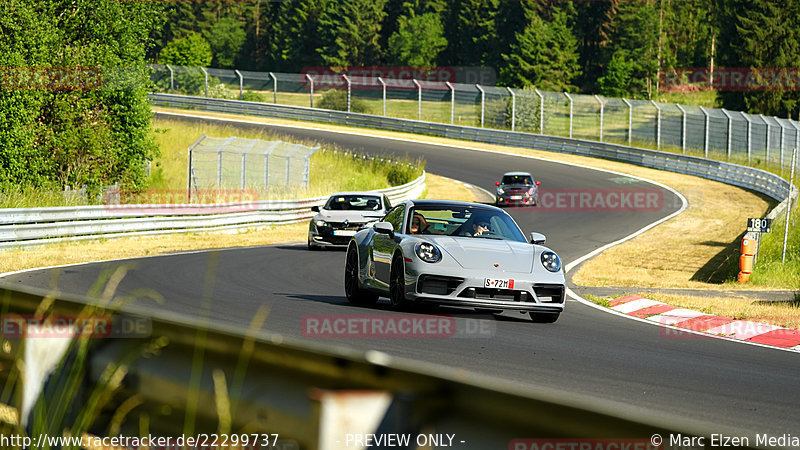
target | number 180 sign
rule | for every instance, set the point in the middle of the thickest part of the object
(759, 225)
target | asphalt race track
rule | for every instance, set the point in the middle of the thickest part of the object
(737, 387)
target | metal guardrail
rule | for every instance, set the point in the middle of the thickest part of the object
(746, 177)
(275, 384)
(35, 226)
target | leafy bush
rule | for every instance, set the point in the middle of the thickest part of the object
(336, 99)
(251, 96)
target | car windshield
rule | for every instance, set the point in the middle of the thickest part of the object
(463, 221)
(353, 202)
(517, 179)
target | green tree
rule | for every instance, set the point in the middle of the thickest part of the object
(350, 33)
(472, 33)
(760, 34)
(418, 41)
(297, 39)
(544, 54)
(635, 38)
(226, 38)
(192, 51)
(617, 78)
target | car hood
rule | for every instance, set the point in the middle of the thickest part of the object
(351, 216)
(518, 186)
(481, 253)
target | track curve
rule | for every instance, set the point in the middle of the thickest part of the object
(739, 388)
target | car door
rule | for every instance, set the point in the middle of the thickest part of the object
(383, 246)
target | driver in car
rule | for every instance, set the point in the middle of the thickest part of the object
(479, 228)
(418, 224)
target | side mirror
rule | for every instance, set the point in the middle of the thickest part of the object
(497, 183)
(384, 227)
(537, 238)
(538, 183)
(315, 208)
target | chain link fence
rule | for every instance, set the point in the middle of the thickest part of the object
(247, 164)
(710, 132)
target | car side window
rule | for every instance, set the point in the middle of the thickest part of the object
(395, 217)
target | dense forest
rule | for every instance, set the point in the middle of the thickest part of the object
(612, 47)
(71, 131)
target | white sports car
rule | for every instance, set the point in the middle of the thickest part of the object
(454, 253)
(342, 215)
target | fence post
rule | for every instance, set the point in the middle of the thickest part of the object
(570, 113)
(419, 99)
(274, 88)
(541, 111)
(383, 86)
(630, 120)
(658, 124)
(683, 128)
(783, 140)
(789, 205)
(241, 83)
(205, 75)
(602, 110)
(190, 168)
(347, 80)
(171, 78)
(749, 138)
(219, 169)
(708, 124)
(311, 89)
(513, 106)
(796, 127)
(483, 99)
(243, 175)
(452, 102)
(769, 130)
(730, 133)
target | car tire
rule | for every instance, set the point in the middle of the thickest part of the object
(397, 288)
(352, 290)
(544, 317)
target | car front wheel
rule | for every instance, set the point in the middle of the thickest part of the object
(397, 284)
(354, 293)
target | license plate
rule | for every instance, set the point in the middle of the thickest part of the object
(498, 283)
(344, 232)
(516, 197)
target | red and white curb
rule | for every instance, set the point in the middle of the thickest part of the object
(743, 330)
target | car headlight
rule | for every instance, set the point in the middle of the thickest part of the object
(551, 261)
(428, 252)
(500, 191)
(321, 223)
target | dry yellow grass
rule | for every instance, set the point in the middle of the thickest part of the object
(134, 247)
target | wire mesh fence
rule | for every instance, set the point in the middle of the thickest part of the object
(710, 132)
(247, 164)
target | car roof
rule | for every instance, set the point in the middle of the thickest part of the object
(517, 173)
(375, 193)
(439, 202)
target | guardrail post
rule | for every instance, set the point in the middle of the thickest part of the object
(763, 119)
(789, 206)
(171, 78)
(241, 83)
(570, 113)
(311, 90)
(513, 107)
(274, 88)
(630, 120)
(683, 128)
(749, 137)
(730, 132)
(541, 111)
(708, 124)
(483, 100)
(383, 87)
(419, 99)
(347, 80)
(452, 102)
(602, 109)
(658, 124)
(205, 83)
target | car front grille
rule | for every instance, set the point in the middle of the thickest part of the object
(349, 226)
(549, 293)
(438, 285)
(506, 295)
